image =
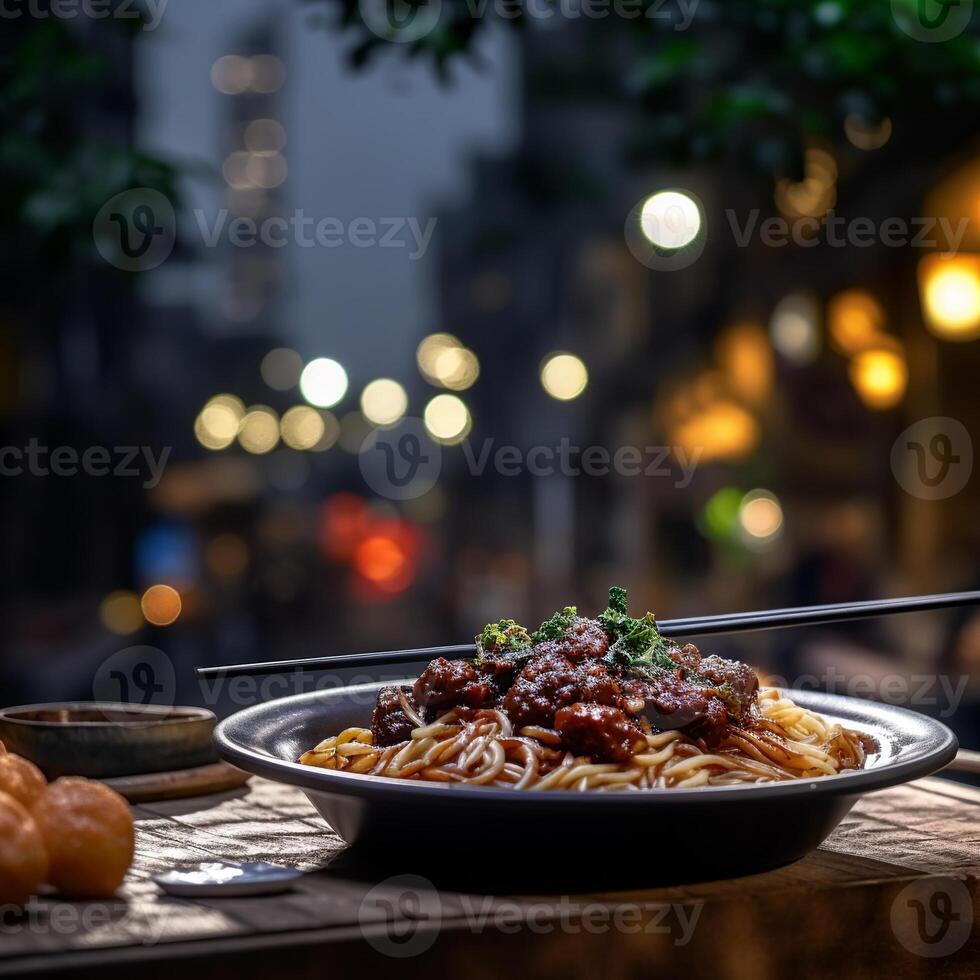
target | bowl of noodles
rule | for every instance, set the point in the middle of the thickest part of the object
(587, 745)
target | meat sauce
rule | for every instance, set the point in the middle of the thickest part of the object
(598, 710)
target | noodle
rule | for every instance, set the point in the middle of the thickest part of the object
(781, 741)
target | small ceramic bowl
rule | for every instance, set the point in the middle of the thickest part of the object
(101, 739)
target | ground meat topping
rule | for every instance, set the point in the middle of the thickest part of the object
(389, 723)
(584, 638)
(549, 682)
(601, 732)
(447, 683)
(739, 678)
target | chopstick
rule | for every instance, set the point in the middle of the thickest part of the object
(766, 619)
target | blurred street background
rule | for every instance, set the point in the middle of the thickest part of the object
(325, 331)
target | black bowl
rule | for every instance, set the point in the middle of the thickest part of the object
(652, 837)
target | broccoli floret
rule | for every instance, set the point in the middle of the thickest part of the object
(556, 627)
(507, 636)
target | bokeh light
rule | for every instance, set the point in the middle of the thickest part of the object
(760, 516)
(950, 289)
(564, 376)
(721, 430)
(384, 401)
(120, 613)
(268, 74)
(226, 555)
(232, 74)
(456, 368)
(670, 219)
(218, 422)
(281, 368)
(794, 328)
(331, 432)
(323, 382)
(259, 431)
(745, 356)
(264, 136)
(161, 605)
(855, 321)
(880, 376)
(301, 427)
(447, 419)
(865, 135)
(266, 170)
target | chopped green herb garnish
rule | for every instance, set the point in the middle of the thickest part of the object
(507, 636)
(635, 642)
(556, 627)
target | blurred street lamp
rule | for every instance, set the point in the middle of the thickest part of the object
(949, 286)
(564, 376)
(880, 376)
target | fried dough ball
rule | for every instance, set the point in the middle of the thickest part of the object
(21, 779)
(88, 831)
(23, 858)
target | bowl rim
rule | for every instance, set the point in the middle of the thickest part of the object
(158, 714)
(937, 747)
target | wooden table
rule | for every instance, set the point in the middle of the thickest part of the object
(892, 893)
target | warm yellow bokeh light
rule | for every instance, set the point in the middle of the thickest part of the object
(760, 515)
(855, 321)
(950, 289)
(744, 354)
(880, 376)
(447, 419)
(302, 427)
(456, 368)
(723, 430)
(259, 431)
(323, 382)
(120, 613)
(161, 605)
(564, 376)
(384, 401)
(218, 422)
(429, 350)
